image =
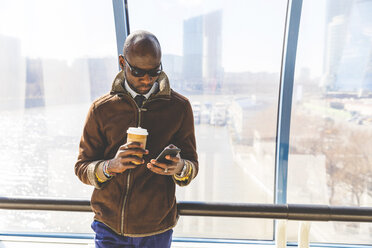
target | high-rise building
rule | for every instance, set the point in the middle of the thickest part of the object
(34, 83)
(348, 57)
(12, 74)
(212, 63)
(337, 16)
(66, 83)
(102, 72)
(193, 52)
(202, 52)
(172, 65)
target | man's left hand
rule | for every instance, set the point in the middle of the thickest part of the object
(174, 166)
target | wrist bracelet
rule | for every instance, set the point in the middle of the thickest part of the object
(183, 171)
(105, 169)
(188, 173)
(99, 179)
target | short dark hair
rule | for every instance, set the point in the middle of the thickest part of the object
(143, 42)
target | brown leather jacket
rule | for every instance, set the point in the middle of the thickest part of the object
(137, 202)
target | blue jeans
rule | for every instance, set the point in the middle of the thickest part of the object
(106, 238)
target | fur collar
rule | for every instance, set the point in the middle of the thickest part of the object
(164, 87)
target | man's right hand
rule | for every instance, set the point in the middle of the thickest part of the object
(126, 158)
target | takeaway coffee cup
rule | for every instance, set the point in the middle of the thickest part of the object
(139, 135)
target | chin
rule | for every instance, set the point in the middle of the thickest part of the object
(143, 91)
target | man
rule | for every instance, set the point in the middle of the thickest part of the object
(134, 198)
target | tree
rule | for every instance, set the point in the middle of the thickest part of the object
(347, 149)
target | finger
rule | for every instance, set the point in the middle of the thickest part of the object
(163, 166)
(168, 167)
(173, 159)
(132, 160)
(160, 170)
(158, 164)
(132, 151)
(128, 145)
(130, 166)
(171, 166)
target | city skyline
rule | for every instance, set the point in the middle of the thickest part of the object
(92, 33)
(45, 31)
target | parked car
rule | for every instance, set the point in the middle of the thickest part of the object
(196, 109)
(205, 114)
(218, 114)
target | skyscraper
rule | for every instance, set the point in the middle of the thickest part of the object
(193, 29)
(101, 74)
(337, 16)
(34, 83)
(348, 60)
(63, 79)
(202, 52)
(12, 74)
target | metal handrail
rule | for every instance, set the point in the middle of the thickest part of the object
(267, 211)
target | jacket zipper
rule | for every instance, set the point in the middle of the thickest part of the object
(139, 117)
(144, 109)
(129, 173)
(128, 181)
(125, 200)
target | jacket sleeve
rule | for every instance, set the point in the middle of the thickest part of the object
(91, 150)
(185, 140)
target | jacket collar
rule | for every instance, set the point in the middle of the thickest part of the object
(118, 85)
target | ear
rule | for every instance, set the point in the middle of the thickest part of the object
(122, 62)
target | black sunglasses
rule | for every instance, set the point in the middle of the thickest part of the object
(137, 72)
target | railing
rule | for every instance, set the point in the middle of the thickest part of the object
(267, 211)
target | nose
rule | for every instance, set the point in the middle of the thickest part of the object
(147, 78)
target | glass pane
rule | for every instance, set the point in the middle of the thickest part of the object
(331, 132)
(213, 53)
(333, 232)
(221, 227)
(56, 57)
(30, 221)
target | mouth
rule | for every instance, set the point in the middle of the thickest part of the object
(144, 88)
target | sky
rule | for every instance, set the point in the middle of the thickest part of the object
(252, 29)
(65, 29)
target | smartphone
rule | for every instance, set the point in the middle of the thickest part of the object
(167, 151)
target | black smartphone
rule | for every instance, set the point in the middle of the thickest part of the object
(167, 151)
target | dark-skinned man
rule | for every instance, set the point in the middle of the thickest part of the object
(134, 197)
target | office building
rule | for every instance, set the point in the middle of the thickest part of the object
(202, 52)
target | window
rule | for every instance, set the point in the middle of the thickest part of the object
(225, 56)
(56, 57)
(331, 132)
(213, 54)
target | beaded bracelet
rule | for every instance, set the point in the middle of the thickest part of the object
(184, 169)
(105, 169)
(99, 179)
(187, 176)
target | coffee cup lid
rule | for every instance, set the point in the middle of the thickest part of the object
(137, 131)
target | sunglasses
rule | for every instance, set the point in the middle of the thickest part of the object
(137, 72)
